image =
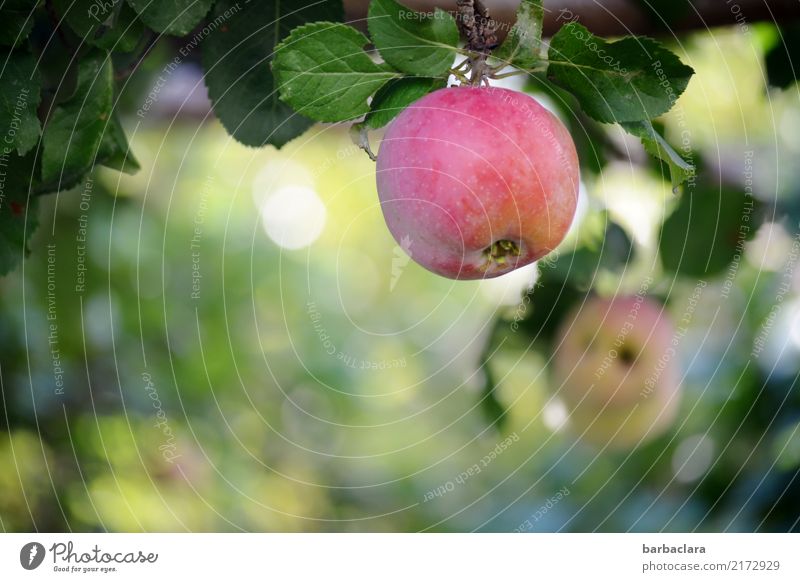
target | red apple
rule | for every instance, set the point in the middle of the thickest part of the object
(481, 181)
(615, 366)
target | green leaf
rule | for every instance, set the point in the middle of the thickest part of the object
(75, 130)
(632, 79)
(591, 140)
(84, 17)
(417, 43)
(237, 72)
(108, 25)
(20, 88)
(398, 94)
(500, 339)
(548, 304)
(16, 21)
(706, 231)
(17, 212)
(522, 47)
(783, 59)
(564, 279)
(612, 252)
(57, 66)
(655, 145)
(114, 149)
(125, 32)
(177, 17)
(785, 447)
(323, 72)
(493, 410)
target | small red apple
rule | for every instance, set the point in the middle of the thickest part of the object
(480, 180)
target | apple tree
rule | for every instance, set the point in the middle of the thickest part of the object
(477, 179)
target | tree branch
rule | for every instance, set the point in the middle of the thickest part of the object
(619, 17)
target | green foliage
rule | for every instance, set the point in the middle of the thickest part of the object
(413, 42)
(611, 252)
(396, 95)
(522, 47)
(272, 69)
(632, 79)
(16, 21)
(236, 59)
(493, 409)
(73, 135)
(707, 231)
(84, 17)
(114, 26)
(19, 98)
(75, 94)
(783, 59)
(177, 17)
(125, 32)
(655, 145)
(323, 72)
(325, 75)
(114, 151)
(17, 210)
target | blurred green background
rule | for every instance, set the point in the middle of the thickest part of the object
(249, 349)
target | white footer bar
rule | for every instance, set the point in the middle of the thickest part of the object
(401, 557)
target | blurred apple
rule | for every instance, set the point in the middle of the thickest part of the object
(616, 369)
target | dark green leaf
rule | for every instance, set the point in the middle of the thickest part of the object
(114, 149)
(16, 21)
(125, 33)
(590, 139)
(612, 252)
(564, 279)
(84, 17)
(617, 250)
(783, 59)
(706, 231)
(17, 213)
(547, 304)
(56, 64)
(177, 17)
(522, 47)
(493, 410)
(20, 88)
(418, 43)
(237, 72)
(632, 79)
(655, 145)
(398, 94)
(109, 25)
(323, 72)
(75, 130)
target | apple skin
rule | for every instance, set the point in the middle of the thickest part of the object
(477, 181)
(616, 368)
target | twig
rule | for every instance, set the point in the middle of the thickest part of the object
(476, 25)
(480, 33)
